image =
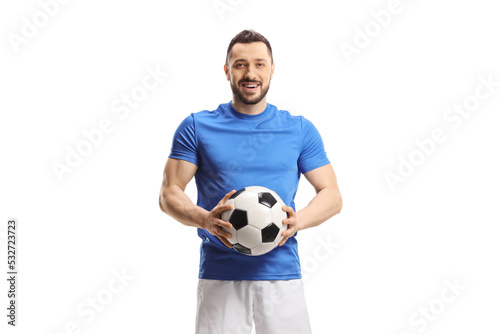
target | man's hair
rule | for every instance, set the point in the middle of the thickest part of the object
(248, 36)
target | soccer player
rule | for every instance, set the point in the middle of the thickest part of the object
(243, 143)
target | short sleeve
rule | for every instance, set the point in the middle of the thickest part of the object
(313, 153)
(184, 143)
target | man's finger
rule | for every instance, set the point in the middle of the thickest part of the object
(223, 223)
(221, 233)
(288, 233)
(225, 242)
(227, 235)
(283, 241)
(288, 210)
(226, 197)
(218, 210)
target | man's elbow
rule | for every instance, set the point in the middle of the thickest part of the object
(163, 203)
(338, 205)
(336, 202)
(161, 206)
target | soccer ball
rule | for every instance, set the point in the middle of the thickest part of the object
(257, 219)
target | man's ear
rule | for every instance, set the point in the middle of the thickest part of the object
(226, 70)
(272, 71)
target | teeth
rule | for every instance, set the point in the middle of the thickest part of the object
(251, 86)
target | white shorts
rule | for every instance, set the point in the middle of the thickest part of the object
(236, 307)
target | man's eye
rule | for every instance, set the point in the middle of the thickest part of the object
(260, 65)
(240, 65)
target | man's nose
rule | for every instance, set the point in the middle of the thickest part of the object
(251, 73)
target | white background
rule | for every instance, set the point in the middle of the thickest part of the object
(396, 248)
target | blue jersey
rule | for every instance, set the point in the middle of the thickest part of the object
(234, 150)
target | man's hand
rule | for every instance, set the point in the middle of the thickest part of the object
(214, 224)
(293, 224)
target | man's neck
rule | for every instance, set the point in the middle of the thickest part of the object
(249, 109)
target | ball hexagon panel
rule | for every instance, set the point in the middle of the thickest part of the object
(257, 189)
(263, 248)
(234, 235)
(259, 216)
(226, 214)
(249, 236)
(246, 200)
(278, 214)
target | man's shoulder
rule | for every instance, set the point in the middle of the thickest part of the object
(286, 112)
(276, 116)
(286, 118)
(210, 113)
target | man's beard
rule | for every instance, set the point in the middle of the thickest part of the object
(240, 96)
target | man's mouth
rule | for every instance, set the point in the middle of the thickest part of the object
(250, 86)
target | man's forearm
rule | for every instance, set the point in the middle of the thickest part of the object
(175, 203)
(326, 204)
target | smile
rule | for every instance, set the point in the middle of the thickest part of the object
(250, 86)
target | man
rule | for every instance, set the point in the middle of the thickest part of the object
(243, 143)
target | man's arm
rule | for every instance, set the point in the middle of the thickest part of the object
(326, 204)
(175, 203)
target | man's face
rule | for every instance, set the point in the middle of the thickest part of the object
(250, 72)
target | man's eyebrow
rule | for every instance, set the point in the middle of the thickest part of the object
(244, 60)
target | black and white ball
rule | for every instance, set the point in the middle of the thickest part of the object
(257, 219)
